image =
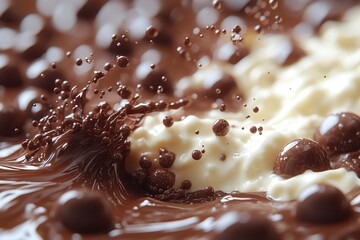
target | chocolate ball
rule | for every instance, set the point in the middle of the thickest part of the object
(161, 180)
(221, 127)
(349, 161)
(84, 212)
(300, 155)
(250, 226)
(322, 204)
(339, 133)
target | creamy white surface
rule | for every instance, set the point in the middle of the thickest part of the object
(293, 101)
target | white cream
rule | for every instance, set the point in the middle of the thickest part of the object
(293, 101)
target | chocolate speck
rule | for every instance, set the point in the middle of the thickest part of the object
(221, 127)
(122, 61)
(253, 129)
(256, 109)
(339, 133)
(222, 157)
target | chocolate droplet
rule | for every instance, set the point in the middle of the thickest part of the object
(322, 204)
(168, 121)
(84, 212)
(300, 155)
(196, 154)
(221, 127)
(339, 133)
